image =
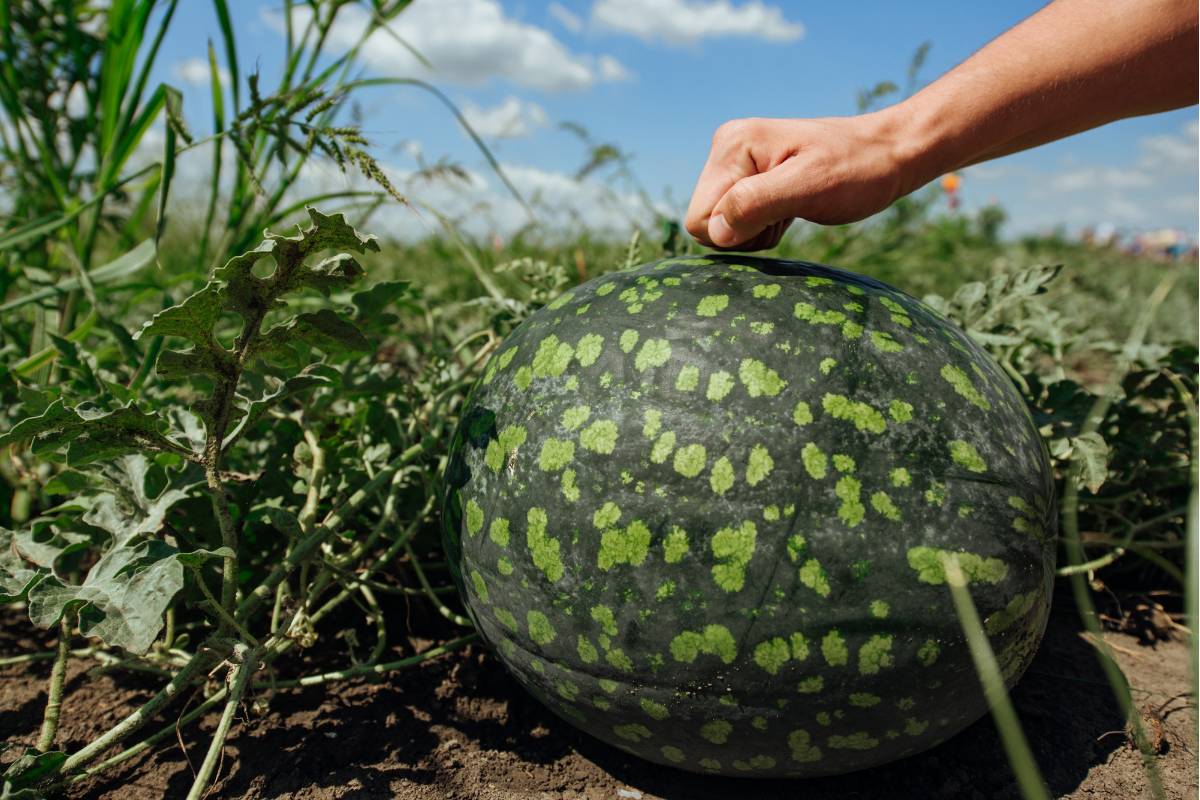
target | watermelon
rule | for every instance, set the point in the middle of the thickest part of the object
(701, 510)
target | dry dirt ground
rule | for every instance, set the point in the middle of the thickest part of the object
(459, 727)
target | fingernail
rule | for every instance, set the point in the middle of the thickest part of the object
(719, 230)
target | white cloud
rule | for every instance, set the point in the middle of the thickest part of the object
(511, 119)
(613, 70)
(1170, 151)
(195, 72)
(1161, 156)
(687, 21)
(567, 19)
(469, 42)
(1092, 178)
(480, 206)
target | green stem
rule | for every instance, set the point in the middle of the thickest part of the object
(1074, 547)
(138, 718)
(333, 521)
(431, 595)
(150, 741)
(371, 669)
(245, 659)
(1016, 747)
(57, 675)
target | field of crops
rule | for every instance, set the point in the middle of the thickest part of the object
(222, 456)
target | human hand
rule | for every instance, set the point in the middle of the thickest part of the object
(763, 173)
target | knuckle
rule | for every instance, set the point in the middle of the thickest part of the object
(739, 202)
(732, 131)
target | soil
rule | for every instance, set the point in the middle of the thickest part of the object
(459, 727)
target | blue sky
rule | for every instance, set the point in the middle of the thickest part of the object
(657, 77)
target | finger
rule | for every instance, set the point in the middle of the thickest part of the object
(724, 167)
(769, 238)
(753, 204)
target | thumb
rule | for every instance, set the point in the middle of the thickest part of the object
(751, 205)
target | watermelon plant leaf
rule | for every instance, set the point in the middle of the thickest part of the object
(16, 577)
(333, 273)
(27, 771)
(43, 543)
(193, 319)
(373, 301)
(253, 410)
(1092, 452)
(323, 329)
(123, 598)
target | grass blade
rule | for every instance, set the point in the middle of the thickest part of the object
(1020, 757)
(448, 103)
(115, 270)
(173, 102)
(1071, 541)
(231, 58)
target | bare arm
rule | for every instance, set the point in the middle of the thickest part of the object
(1073, 65)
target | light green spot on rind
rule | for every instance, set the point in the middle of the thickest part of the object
(672, 754)
(633, 732)
(575, 416)
(815, 462)
(721, 477)
(717, 731)
(552, 358)
(759, 465)
(962, 384)
(719, 384)
(929, 563)
(656, 710)
(690, 460)
(851, 511)
(802, 414)
(654, 353)
(813, 575)
(712, 305)
(474, 517)
(855, 741)
(864, 417)
(481, 590)
(589, 349)
(498, 531)
(759, 379)
(732, 549)
(884, 505)
(772, 654)
(663, 447)
(600, 436)
(833, 647)
(900, 411)
(966, 456)
(714, 640)
(540, 629)
(603, 616)
(875, 655)
(675, 545)
(884, 342)
(543, 549)
(629, 339)
(556, 454)
(587, 651)
(689, 378)
(628, 546)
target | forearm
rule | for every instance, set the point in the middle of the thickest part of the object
(1072, 66)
